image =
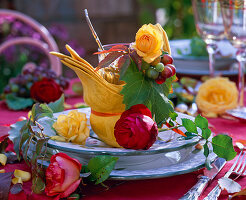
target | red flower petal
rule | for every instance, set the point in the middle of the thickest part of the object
(139, 108)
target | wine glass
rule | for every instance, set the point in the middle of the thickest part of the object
(234, 17)
(209, 25)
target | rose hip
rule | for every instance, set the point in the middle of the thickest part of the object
(167, 72)
(173, 68)
(160, 79)
(167, 59)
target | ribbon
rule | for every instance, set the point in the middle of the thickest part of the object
(104, 114)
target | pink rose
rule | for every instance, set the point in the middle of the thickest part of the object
(62, 175)
(135, 129)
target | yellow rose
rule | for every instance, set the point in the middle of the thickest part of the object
(73, 127)
(150, 41)
(217, 95)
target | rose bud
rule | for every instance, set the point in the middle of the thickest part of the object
(136, 129)
(62, 175)
(46, 91)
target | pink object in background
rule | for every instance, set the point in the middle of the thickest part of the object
(46, 47)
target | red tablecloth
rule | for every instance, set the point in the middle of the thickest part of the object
(170, 188)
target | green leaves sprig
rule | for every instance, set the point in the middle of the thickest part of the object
(141, 90)
(222, 144)
(29, 134)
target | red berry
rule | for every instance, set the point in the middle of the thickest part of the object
(160, 79)
(167, 72)
(167, 59)
(173, 68)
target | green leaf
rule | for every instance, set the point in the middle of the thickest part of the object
(142, 90)
(101, 167)
(137, 90)
(206, 149)
(15, 135)
(189, 125)
(25, 134)
(18, 103)
(161, 106)
(47, 124)
(173, 116)
(206, 133)
(38, 185)
(58, 105)
(223, 147)
(189, 135)
(201, 122)
(208, 164)
(40, 144)
(41, 110)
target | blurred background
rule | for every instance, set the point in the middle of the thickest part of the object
(114, 21)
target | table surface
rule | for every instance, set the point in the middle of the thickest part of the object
(170, 188)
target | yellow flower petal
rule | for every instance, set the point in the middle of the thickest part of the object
(217, 95)
(2, 170)
(73, 127)
(25, 176)
(17, 180)
(58, 138)
(149, 42)
(210, 114)
(3, 159)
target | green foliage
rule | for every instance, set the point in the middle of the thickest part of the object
(101, 167)
(189, 125)
(198, 47)
(10, 69)
(222, 144)
(173, 116)
(206, 149)
(58, 105)
(189, 135)
(18, 103)
(41, 110)
(223, 147)
(38, 185)
(15, 136)
(178, 14)
(141, 90)
(202, 123)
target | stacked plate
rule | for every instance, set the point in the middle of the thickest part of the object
(170, 155)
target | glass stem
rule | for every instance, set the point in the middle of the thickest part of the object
(241, 84)
(241, 57)
(212, 49)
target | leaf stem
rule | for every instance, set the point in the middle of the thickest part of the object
(168, 129)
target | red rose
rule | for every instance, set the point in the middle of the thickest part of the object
(62, 175)
(135, 129)
(46, 90)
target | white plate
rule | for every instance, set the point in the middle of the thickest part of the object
(162, 159)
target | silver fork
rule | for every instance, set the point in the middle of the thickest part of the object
(238, 170)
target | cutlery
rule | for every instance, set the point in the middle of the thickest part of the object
(203, 181)
(215, 193)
